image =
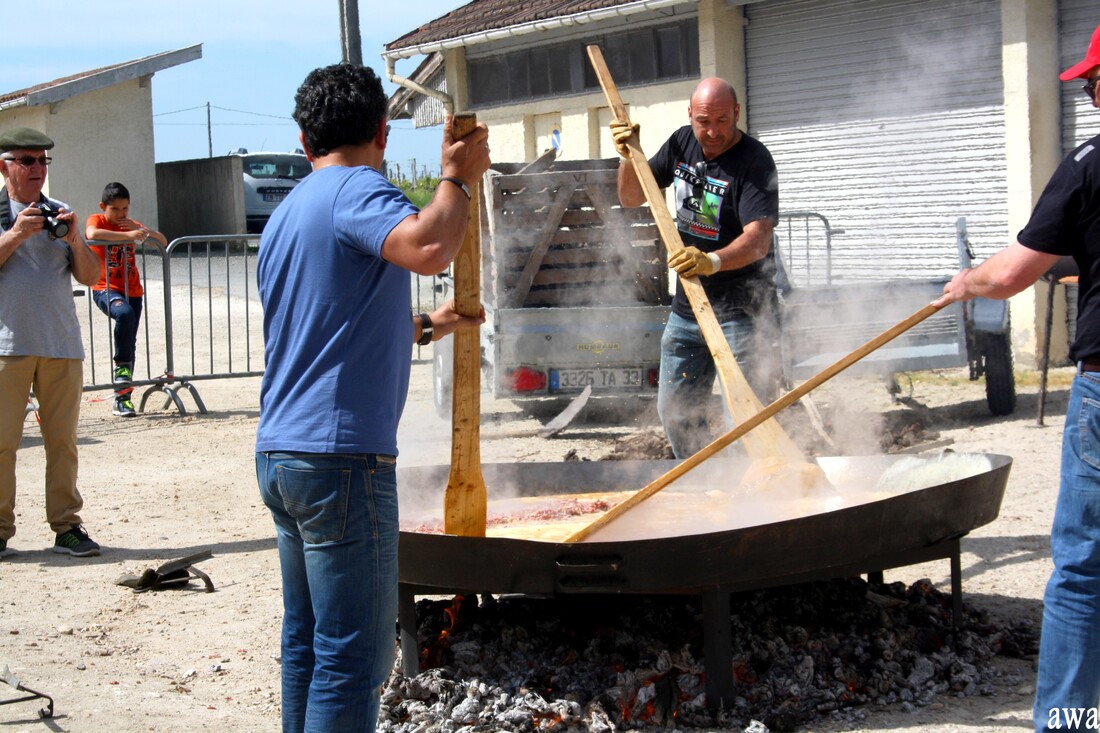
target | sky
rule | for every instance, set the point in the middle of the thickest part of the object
(255, 53)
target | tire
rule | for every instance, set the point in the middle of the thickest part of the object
(1000, 382)
(442, 378)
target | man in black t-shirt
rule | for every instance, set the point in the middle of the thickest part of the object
(1066, 221)
(726, 196)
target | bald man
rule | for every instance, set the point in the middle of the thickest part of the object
(726, 193)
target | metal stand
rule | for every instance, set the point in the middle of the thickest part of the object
(9, 679)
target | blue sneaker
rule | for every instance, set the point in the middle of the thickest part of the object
(75, 542)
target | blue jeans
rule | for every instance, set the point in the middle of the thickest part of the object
(126, 313)
(337, 529)
(687, 379)
(1069, 650)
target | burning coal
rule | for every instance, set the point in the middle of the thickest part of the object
(614, 663)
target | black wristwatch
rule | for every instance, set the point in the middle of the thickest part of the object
(425, 329)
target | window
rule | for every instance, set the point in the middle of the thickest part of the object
(636, 57)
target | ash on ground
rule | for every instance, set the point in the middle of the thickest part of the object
(621, 663)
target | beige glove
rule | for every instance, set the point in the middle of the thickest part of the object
(693, 262)
(621, 130)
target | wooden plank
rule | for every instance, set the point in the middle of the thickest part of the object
(534, 260)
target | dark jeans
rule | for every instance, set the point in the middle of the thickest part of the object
(126, 313)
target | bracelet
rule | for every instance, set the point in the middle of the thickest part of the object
(426, 329)
(460, 184)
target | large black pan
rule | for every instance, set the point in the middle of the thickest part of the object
(914, 525)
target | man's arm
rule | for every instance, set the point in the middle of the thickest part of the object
(85, 264)
(1003, 275)
(445, 319)
(425, 243)
(754, 244)
(24, 226)
(630, 188)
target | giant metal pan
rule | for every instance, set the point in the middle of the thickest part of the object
(907, 528)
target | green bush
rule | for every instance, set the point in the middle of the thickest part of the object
(422, 193)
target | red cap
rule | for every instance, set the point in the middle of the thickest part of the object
(1092, 58)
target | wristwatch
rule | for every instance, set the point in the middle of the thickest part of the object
(425, 329)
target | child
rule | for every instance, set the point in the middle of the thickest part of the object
(118, 292)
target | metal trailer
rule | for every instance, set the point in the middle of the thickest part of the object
(823, 322)
(575, 288)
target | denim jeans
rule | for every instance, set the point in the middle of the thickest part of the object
(126, 313)
(336, 524)
(1069, 650)
(687, 379)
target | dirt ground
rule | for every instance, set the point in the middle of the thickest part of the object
(162, 486)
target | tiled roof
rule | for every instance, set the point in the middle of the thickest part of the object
(488, 15)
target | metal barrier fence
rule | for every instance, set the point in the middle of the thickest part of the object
(201, 320)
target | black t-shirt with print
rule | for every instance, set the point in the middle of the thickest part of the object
(1066, 221)
(738, 187)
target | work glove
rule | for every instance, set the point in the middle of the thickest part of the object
(621, 130)
(693, 262)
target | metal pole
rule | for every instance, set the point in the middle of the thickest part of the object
(352, 45)
(209, 134)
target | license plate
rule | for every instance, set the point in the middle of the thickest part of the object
(275, 197)
(566, 379)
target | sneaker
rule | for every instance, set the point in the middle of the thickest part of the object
(123, 374)
(124, 407)
(4, 547)
(76, 542)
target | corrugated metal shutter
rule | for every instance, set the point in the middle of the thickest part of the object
(885, 116)
(1077, 19)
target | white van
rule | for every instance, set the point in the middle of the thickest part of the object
(268, 178)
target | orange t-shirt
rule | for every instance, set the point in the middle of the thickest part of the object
(118, 260)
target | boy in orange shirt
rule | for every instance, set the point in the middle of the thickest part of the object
(118, 292)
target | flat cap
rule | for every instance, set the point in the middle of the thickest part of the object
(24, 138)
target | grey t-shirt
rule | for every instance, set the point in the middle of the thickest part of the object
(37, 314)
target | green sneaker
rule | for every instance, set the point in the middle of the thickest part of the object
(123, 374)
(75, 542)
(124, 407)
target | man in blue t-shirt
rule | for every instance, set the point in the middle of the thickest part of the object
(726, 194)
(333, 273)
(1065, 222)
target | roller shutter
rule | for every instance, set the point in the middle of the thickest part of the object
(885, 116)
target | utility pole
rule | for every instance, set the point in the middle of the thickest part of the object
(209, 134)
(350, 41)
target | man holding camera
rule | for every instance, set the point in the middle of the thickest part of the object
(40, 344)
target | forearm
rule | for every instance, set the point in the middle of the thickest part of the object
(753, 245)
(9, 242)
(1006, 273)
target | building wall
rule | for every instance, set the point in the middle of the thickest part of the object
(101, 136)
(201, 196)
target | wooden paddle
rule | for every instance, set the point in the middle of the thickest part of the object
(464, 500)
(769, 441)
(727, 438)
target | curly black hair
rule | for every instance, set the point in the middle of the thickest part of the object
(337, 105)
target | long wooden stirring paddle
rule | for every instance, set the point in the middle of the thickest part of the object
(769, 442)
(465, 498)
(743, 429)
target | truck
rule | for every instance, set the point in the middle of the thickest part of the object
(576, 295)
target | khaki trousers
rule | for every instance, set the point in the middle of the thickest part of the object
(58, 385)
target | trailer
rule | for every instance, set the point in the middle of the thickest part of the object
(824, 318)
(575, 287)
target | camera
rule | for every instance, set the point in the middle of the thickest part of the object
(57, 229)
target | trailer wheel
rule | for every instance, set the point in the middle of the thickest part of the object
(1000, 382)
(442, 377)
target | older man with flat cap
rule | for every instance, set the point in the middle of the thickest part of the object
(40, 345)
(1066, 222)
